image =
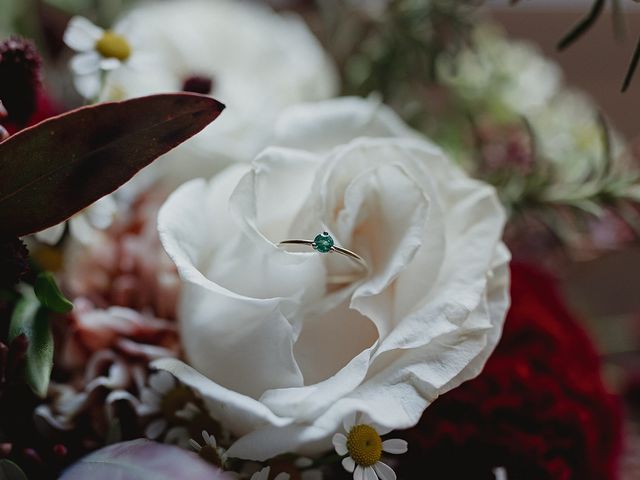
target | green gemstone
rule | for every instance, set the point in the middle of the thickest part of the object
(323, 242)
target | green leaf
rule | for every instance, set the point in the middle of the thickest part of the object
(58, 167)
(10, 471)
(47, 291)
(30, 319)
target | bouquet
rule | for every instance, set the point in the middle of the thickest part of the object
(239, 240)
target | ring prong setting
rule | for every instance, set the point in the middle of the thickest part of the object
(323, 243)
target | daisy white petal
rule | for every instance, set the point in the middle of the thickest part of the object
(394, 445)
(51, 235)
(384, 471)
(177, 436)
(151, 398)
(110, 63)
(500, 473)
(81, 35)
(81, 230)
(358, 473)
(88, 85)
(195, 445)
(349, 464)
(282, 476)
(349, 421)
(262, 474)
(155, 428)
(340, 444)
(162, 382)
(370, 474)
(209, 439)
(85, 63)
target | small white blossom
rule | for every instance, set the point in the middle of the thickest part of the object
(98, 50)
(264, 475)
(363, 446)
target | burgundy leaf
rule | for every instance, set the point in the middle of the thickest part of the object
(56, 168)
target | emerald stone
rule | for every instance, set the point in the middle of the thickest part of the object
(323, 242)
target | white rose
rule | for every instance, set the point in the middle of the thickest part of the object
(258, 63)
(279, 357)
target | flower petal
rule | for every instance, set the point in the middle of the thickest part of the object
(358, 473)
(110, 64)
(350, 421)
(384, 471)
(282, 476)
(85, 63)
(395, 445)
(340, 444)
(51, 235)
(370, 474)
(162, 382)
(88, 85)
(155, 428)
(81, 34)
(349, 464)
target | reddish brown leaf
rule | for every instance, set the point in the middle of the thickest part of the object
(58, 167)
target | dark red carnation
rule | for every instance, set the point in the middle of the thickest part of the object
(539, 409)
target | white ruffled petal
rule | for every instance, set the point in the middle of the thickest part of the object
(107, 64)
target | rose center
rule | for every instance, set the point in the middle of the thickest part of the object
(112, 45)
(198, 84)
(364, 445)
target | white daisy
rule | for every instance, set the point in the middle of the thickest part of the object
(98, 50)
(84, 225)
(165, 397)
(364, 448)
(264, 475)
(209, 450)
(500, 473)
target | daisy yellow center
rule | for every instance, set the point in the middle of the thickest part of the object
(112, 45)
(364, 445)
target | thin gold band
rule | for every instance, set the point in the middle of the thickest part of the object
(335, 279)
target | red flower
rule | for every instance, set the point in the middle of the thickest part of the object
(539, 409)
